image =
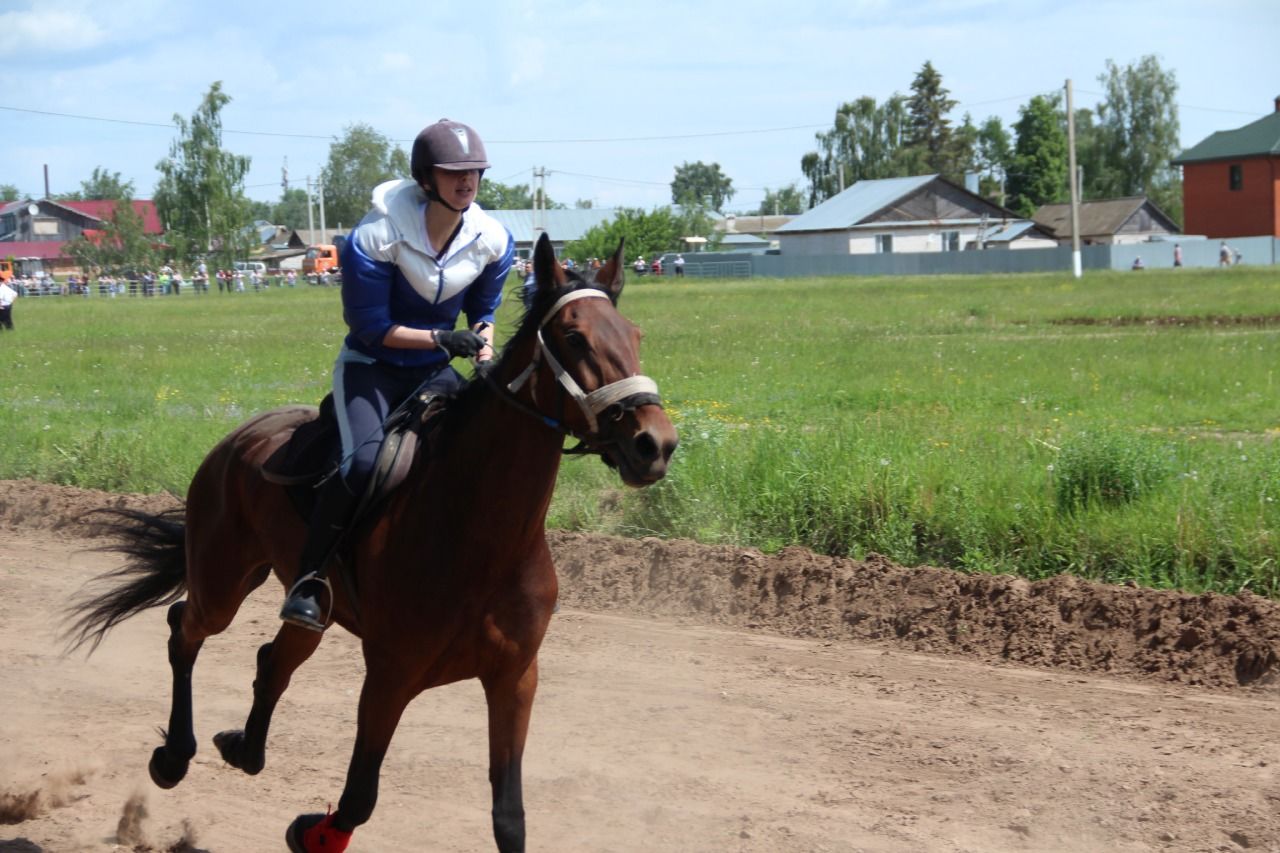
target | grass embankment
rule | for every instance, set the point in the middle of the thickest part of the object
(1122, 427)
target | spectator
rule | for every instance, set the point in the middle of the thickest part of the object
(657, 265)
(678, 263)
(1138, 264)
(640, 266)
(7, 297)
(1224, 255)
(1177, 255)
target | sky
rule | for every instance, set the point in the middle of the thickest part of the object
(609, 97)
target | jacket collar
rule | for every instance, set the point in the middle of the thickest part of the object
(402, 200)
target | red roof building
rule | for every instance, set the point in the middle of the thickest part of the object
(42, 229)
(1231, 181)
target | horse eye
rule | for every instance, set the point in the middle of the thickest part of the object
(576, 340)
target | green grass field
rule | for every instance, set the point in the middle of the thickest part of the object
(1121, 427)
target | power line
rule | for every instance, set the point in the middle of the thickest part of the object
(492, 141)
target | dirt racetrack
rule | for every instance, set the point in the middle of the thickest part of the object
(692, 699)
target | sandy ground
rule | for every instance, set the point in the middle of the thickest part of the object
(691, 700)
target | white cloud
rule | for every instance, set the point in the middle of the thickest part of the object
(46, 30)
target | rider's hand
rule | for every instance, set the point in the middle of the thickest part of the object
(462, 343)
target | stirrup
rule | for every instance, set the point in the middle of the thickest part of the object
(301, 622)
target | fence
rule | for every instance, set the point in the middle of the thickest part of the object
(1196, 252)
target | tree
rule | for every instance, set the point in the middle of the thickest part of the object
(359, 160)
(291, 210)
(260, 211)
(1039, 173)
(1137, 133)
(787, 200)
(498, 196)
(121, 244)
(105, 186)
(646, 233)
(993, 156)
(701, 185)
(8, 192)
(200, 196)
(864, 142)
(930, 142)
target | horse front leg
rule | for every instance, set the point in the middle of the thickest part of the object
(169, 763)
(246, 748)
(382, 700)
(510, 701)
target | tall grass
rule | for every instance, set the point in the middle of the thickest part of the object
(1033, 424)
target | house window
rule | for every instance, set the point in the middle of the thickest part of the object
(950, 241)
(884, 244)
(44, 227)
(1236, 176)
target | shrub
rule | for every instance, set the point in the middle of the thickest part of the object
(1107, 468)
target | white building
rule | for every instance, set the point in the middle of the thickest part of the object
(926, 213)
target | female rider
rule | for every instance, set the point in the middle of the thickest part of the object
(422, 255)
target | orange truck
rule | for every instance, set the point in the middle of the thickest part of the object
(321, 258)
(11, 267)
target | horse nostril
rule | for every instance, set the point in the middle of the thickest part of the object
(668, 448)
(646, 448)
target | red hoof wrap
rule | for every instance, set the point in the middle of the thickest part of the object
(324, 837)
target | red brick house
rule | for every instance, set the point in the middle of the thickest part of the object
(1231, 181)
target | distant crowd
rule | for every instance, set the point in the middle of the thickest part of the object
(169, 281)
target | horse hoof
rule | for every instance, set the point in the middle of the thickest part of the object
(230, 745)
(326, 836)
(166, 772)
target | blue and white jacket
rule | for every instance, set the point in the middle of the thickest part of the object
(391, 277)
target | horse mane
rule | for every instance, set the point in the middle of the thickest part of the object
(457, 410)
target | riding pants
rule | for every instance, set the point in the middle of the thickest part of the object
(365, 391)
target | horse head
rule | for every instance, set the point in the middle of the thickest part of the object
(587, 352)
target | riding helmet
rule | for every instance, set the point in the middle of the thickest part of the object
(450, 145)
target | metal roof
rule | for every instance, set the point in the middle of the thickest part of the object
(1257, 139)
(736, 239)
(561, 225)
(1016, 229)
(1099, 218)
(855, 204)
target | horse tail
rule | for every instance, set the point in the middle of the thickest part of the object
(154, 573)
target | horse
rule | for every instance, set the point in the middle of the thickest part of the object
(453, 577)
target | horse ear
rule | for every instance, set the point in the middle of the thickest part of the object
(609, 276)
(546, 270)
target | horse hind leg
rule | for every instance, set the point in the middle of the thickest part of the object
(169, 762)
(245, 748)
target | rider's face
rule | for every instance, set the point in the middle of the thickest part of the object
(457, 188)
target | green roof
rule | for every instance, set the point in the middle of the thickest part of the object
(1259, 139)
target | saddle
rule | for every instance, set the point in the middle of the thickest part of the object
(313, 453)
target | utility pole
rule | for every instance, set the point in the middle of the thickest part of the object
(311, 220)
(539, 200)
(324, 232)
(1077, 268)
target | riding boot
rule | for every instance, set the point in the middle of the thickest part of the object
(305, 604)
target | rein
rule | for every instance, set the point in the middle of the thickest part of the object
(622, 396)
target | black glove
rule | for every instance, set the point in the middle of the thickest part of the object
(460, 342)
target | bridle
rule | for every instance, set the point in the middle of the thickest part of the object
(616, 398)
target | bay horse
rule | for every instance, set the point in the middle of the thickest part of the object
(454, 576)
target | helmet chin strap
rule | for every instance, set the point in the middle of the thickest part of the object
(432, 195)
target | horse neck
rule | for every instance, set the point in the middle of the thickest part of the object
(507, 459)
